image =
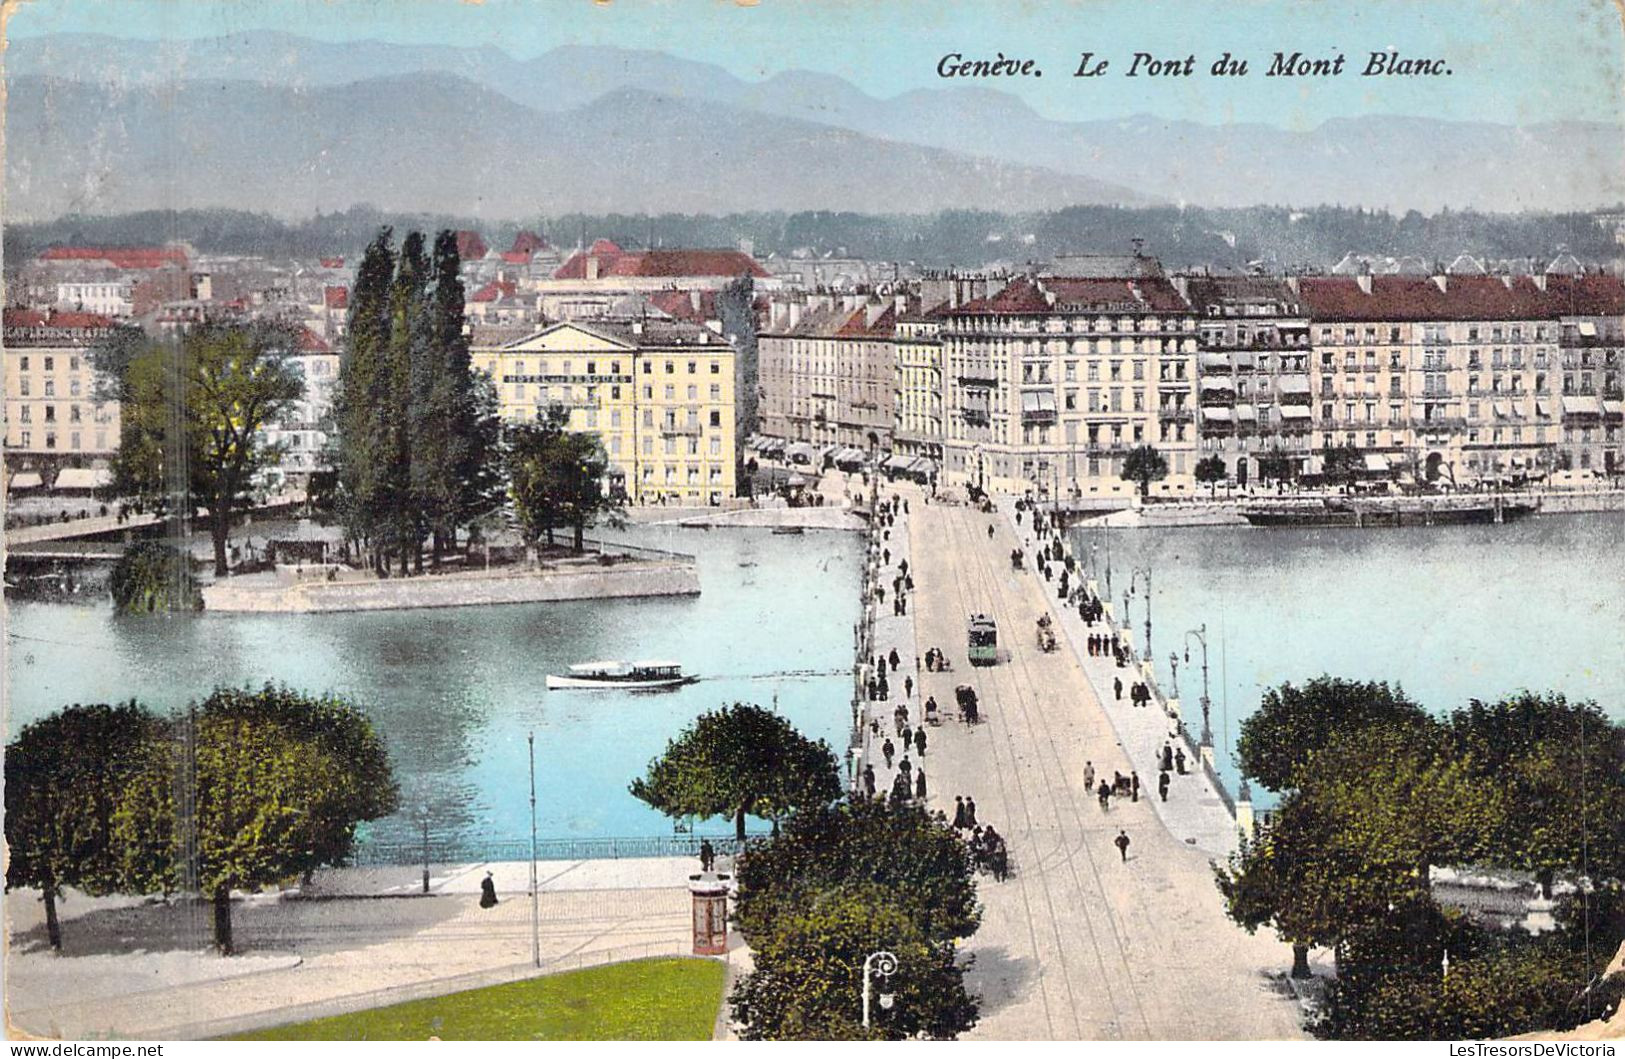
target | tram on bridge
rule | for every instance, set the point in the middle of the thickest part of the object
(982, 637)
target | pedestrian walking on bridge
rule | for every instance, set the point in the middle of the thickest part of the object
(1117, 688)
(919, 740)
(1162, 786)
(1089, 775)
(888, 749)
(1134, 785)
(1121, 842)
(959, 812)
(970, 812)
(919, 784)
(869, 780)
(1104, 792)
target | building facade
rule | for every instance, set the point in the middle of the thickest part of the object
(659, 393)
(54, 415)
(828, 370)
(1051, 382)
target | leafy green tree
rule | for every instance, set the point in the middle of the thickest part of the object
(808, 978)
(900, 848)
(1370, 812)
(1562, 766)
(738, 760)
(253, 788)
(64, 776)
(577, 472)
(406, 356)
(1144, 465)
(225, 381)
(1343, 461)
(1210, 472)
(153, 576)
(1292, 722)
(531, 452)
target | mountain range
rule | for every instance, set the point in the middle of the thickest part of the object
(282, 123)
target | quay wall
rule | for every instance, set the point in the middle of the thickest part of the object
(618, 581)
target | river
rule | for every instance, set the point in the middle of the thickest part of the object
(1450, 613)
(455, 691)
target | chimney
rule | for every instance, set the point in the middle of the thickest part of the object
(1364, 280)
(1442, 281)
(1540, 280)
(1292, 285)
(900, 303)
(694, 300)
(1506, 281)
(795, 312)
(592, 266)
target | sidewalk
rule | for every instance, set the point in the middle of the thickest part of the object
(1195, 813)
(893, 632)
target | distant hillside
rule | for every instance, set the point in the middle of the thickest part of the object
(440, 142)
(1394, 162)
(1182, 238)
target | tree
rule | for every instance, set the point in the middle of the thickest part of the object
(1276, 465)
(1144, 465)
(736, 760)
(1372, 809)
(1341, 461)
(64, 777)
(901, 848)
(1292, 722)
(1210, 472)
(361, 403)
(577, 473)
(405, 357)
(253, 788)
(192, 421)
(808, 978)
(1562, 766)
(153, 576)
(531, 450)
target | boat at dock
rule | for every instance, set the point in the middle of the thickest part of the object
(1411, 511)
(632, 676)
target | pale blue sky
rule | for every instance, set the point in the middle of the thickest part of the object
(1514, 61)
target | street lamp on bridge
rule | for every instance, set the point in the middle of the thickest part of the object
(884, 964)
(1134, 580)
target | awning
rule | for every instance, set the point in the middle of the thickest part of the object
(1582, 405)
(1214, 360)
(1293, 384)
(1614, 408)
(1246, 358)
(1501, 412)
(1294, 411)
(1246, 411)
(1542, 411)
(84, 478)
(1375, 461)
(921, 465)
(1588, 329)
(800, 449)
(1216, 415)
(1038, 401)
(897, 463)
(1217, 384)
(26, 480)
(827, 451)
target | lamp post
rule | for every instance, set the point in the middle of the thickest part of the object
(1134, 578)
(1200, 632)
(883, 964)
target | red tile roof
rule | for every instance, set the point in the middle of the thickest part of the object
(311, 342)
(680, 305)
(603, 246)
(127, 257)
(660, 263)
(497, 288)
(1412, 298)
(527, 242)
(332, 262)
(336, 297)
(516, 257)
(56, 318)
(470, 247)
(1020, 295)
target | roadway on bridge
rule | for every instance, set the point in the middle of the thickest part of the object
(1078, 944)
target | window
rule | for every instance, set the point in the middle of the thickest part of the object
(22, 386)
(716, 367)
(50, 363)
(716, 391)
(50, 387)
(648, 366)
(716, 419)
(692, 367)
(693, 392)
(592, 367)
(50, 413)
(670, 368)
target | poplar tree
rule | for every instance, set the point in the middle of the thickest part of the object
(360, 406)
(406, 350)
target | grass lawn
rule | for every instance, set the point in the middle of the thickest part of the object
(658, 1000)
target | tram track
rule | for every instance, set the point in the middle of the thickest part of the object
(1115, 980)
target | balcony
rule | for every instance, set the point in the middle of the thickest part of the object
(976, 417)
(1177, 415)
(986, 382)
(1037, 417)
(681, 430)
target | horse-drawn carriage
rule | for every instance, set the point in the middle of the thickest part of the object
(1046, 634)
(965, 698)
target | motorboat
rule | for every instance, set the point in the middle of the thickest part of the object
(635, 676)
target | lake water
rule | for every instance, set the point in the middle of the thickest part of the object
(455, 691)
(1451, 613)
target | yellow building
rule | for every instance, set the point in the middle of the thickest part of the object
(658, 392)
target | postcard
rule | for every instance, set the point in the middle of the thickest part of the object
(764, 520)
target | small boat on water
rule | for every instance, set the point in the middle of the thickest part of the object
(634, 676)
(788, 531)
(1372, 513)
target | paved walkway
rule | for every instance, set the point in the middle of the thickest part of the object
(1078, 944)
(1195, 812)
(143, 970)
